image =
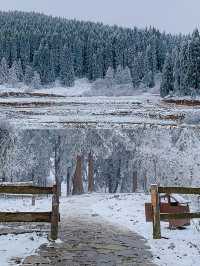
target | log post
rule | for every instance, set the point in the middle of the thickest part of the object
(55, 214)
(90, 173)
(156, 211)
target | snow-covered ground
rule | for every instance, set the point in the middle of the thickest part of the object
(178, 247)
(81, 86)
(14, 247)
(60, 107)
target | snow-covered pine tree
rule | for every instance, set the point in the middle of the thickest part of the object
(167, 77)
(28, 76)
(19, 70)
(126, 76)
(4, 71)
(108, 56)
(12, 76)
(36, 81)
(184, 67)
(66, 67)
(109, 77)
(135, 72)
(118, 75)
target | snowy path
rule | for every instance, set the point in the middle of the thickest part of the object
(88, 239)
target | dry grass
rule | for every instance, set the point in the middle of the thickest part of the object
(185, 102)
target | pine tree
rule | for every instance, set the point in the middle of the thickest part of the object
(36, 81)
(28, 75)
(167, 77)
(20, 73)
(109, 77)
(126, 76)
(67, 69)
(148, 79)
(184, 69)
(149, 68)
(18, 69)
(118, 74)
(12, 76)
(135, 72)
(4, 71)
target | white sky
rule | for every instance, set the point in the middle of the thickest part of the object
(170, 15)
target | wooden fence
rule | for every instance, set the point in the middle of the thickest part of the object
(155, 201)
(52, 217)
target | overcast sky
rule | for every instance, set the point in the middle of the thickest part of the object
(169, 15)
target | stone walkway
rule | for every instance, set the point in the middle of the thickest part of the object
(93, 244)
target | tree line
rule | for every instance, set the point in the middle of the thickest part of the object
(38, 49)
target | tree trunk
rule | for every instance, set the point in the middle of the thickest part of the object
(68, 182)
(134, 188)
(33, 200)
(77, 179)
(90, 173)
(57, 165)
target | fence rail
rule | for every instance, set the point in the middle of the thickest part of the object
(155, 202)
(52, 217)
(25, 190)
(179, 190)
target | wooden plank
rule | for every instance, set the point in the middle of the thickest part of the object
(25, 217)
(179, 190)
(180, 215)
(25, 190)
(156, 211)
(55, 217)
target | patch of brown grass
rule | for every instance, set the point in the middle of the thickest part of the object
(185, 102)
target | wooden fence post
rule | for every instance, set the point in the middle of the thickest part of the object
(156, 211)
(55, 214)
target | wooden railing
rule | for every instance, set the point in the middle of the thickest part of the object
(155, 201)
(47, 217)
